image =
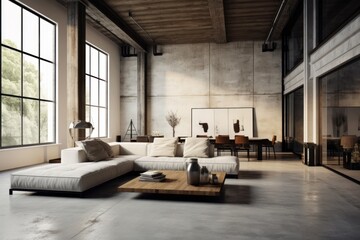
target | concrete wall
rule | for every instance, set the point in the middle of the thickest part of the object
(206, 75)
(19, 157)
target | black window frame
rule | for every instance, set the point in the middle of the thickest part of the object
(88, 105)
(21, 96)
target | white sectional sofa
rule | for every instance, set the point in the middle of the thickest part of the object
(76, 174)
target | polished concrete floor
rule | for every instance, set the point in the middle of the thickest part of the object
(272, 199)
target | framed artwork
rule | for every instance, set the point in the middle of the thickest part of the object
(222, 121)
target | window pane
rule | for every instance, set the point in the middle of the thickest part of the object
(31, 122)
(11, 121)
(11, 33)
(95, 121)
(103, 66)
(102, 122)
(47, 40)
(94, 59)
(47, 80)
(30, 33)
(102, 93)
(94, 98)
(31, 76)
(47, 122)
(10, 71)
(87, 54)
(87, 90)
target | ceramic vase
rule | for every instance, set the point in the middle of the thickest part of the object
(193, 172)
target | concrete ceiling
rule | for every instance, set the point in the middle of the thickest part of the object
(152, 22)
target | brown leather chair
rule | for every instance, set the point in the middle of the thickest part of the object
(270, 145)
(242, 144)
(222, 144)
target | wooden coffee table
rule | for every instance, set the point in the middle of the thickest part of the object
(175, 183)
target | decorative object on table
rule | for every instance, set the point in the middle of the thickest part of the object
(152, 176)
(213, 179)
(355, 155)
(193, 172)
(204, 175)
(80, 125)
(173, 120)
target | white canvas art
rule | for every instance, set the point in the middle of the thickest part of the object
(222, 121)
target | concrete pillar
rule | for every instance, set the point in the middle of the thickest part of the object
(311, 85)
(141, 93)
(76, 29)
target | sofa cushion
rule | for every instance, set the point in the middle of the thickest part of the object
(159, 163)
(94, 150)
(163, 147)
(106, 147)
(196, 147)
(76, 177)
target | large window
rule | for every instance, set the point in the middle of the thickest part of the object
(339, 110)
(294, 125)
(293, 40)
(27, 77)
(97, 90)
(332, 14)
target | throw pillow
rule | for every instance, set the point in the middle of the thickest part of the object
(106, 147)
(163, 147)
(94, 150)
(196, 147)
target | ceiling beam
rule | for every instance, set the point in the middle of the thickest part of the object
(105, 16)
(216, 9)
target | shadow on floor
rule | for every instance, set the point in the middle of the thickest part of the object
(232, 194)
(248, 174)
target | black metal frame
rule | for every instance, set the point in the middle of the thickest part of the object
(98, 79)
(39, 82)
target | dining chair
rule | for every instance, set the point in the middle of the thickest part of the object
(222, 144)
(242, 144)
(270, 145)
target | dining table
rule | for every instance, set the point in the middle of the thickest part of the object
(258, 142)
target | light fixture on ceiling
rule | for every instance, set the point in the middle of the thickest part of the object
(269, 46)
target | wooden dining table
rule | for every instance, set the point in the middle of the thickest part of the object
(258, 142)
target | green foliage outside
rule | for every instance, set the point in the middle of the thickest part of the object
(14, 108)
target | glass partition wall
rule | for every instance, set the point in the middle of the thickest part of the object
(340, 111)
(294, 130)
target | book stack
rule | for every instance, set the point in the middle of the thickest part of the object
(152, 176)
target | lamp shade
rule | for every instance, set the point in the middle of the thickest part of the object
(348, 141)
(80, 124)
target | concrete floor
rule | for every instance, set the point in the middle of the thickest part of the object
(272, 199)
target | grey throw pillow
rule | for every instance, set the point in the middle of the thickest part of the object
(94, 150)
(106, 147)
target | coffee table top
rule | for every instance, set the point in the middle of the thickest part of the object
(175, 183)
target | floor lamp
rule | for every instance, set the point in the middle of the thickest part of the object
(77, 126)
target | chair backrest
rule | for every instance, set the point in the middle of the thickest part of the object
(221, 139)
(273, 140)
(241, 139)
